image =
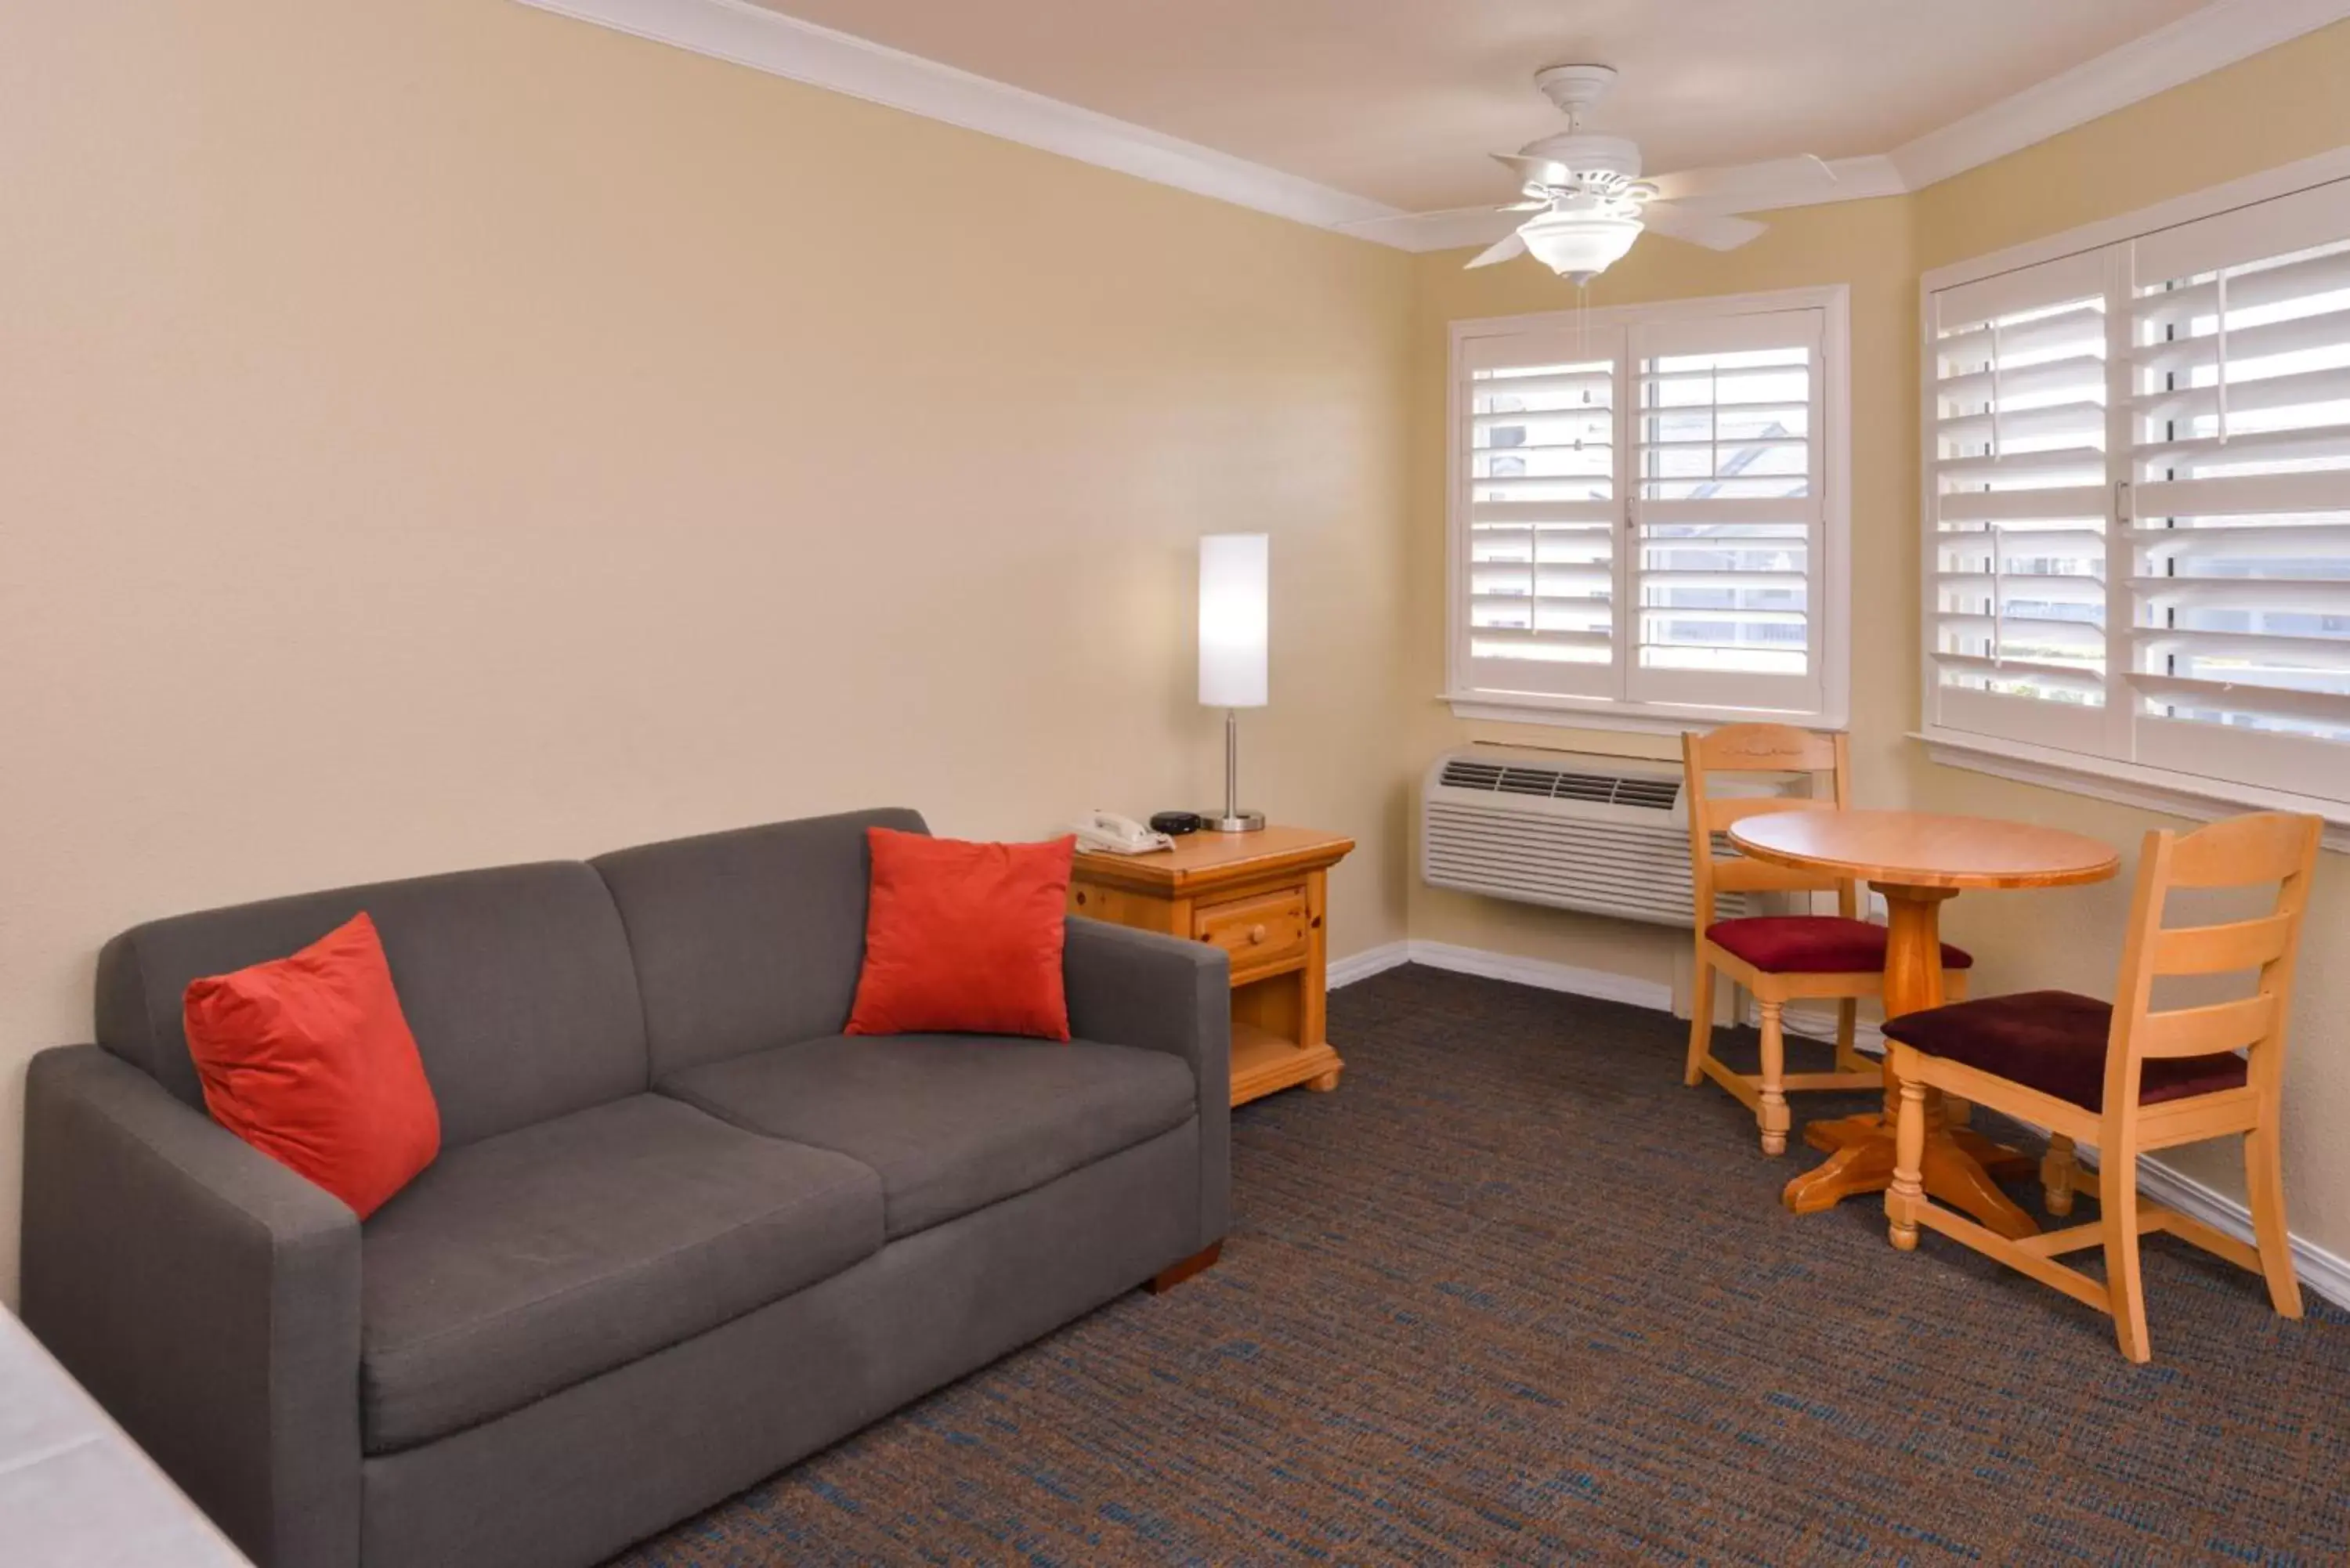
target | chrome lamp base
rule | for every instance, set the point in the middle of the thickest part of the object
(1229, 817)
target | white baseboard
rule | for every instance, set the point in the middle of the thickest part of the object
(1366, 964)
(1538, 972)
(2321, 1272)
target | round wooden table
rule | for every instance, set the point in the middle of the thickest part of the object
(1918, 861)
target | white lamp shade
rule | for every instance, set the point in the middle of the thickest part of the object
(1235, 618)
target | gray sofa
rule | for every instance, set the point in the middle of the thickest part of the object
(682, 1232)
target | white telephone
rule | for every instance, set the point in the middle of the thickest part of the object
(1100, 830)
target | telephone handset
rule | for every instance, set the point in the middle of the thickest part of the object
(1106, 830)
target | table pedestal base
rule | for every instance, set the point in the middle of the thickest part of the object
(1962, 1170)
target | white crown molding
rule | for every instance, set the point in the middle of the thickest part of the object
(782, 46)
(2201, 42)
(2218, 35)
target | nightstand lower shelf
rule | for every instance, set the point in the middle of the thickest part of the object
(1263, 1061)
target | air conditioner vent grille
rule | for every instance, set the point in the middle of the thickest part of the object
(1557, 783)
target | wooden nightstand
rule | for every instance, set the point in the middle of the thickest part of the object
(1261, 897)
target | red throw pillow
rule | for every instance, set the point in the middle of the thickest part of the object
(963, 938)
(310, 1060)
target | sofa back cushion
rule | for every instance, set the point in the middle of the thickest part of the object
(516, 980)
(749, 938)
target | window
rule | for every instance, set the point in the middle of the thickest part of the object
(2138, 501)
(1648, 513)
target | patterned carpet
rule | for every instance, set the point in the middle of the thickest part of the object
(1514, 1295)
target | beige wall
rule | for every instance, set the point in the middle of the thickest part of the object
(444, 433)
(2275, 108)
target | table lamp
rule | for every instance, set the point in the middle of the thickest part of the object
(1236, 570)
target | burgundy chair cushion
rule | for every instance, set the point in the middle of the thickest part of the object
(1812, 944)
(2055, 1041)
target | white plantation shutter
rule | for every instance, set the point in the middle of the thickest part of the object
(2020, 502)
(1727, 514)
(1640, 510)
(1539, 460)
(2138, 499)
(2239, 551)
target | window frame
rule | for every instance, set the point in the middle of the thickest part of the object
(2196, 797)
(1831, 590)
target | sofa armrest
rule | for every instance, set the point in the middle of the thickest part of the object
(1137, 988)
(206, 1294)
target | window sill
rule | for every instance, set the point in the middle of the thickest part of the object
(1600, 713)
(2126, 783)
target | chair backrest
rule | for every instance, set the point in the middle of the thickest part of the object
(2270, 847)
(1758, 749)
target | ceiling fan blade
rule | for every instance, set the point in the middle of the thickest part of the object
(1540, 204)
(1437, 213)
(1715, 231)
(1770, 179)
(1532, 171)
(1514, 246)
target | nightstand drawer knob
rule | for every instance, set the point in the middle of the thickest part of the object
(1256, 933)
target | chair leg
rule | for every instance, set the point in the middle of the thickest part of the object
(2125, 1291)
(2058, 1168)
(2264, 1186)
(1700, 1044)
(1906, 1194)
(1771, 1114)
(1848, 1059)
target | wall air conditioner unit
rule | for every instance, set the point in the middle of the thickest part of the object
(1608, 835)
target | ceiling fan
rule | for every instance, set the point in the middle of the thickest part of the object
(1589, 201)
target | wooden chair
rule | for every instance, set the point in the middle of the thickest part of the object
(2129, 1077)
(1779, 957)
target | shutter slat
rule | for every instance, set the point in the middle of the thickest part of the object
(2317, 442)
(2251, 541)
(2073, 375)
(2240, 697)
(2296, 652)
(2054, 677)
(2284, 596)
(2080, 418)
(2077, 326)
(2065, 461)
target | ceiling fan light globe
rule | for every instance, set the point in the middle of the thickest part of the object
(1580, 245)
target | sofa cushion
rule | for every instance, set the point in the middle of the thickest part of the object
(748, 939)
(527, 1263)
(516, 982)
(308, 1059)
(963, 939)
(952, 1122)
(2055, 1041)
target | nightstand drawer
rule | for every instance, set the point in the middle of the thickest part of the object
(1266, 929)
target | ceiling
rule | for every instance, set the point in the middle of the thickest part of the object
(1398, 101)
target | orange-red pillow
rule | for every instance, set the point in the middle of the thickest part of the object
(963, 938)
(310, 1060)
